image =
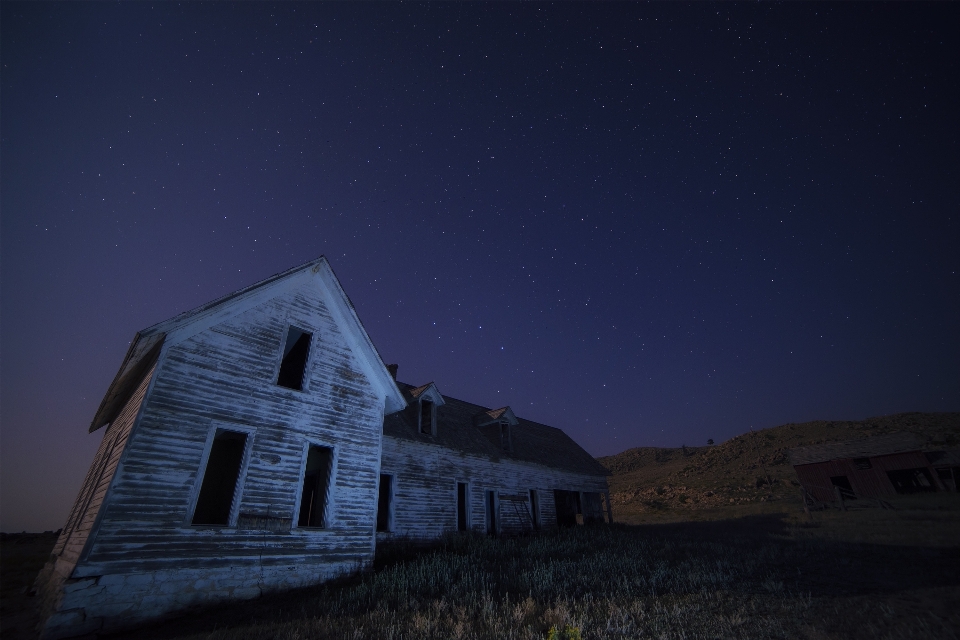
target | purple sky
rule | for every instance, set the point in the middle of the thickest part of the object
(643, 224)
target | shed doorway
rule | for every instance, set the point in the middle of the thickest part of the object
(568, 507)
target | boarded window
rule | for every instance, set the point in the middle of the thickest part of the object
(384, 502)
(220, 478)
(426, 417)
(862, 463)
(912, 480)
(535, 509)
(462, 522)
(316, 480)
(296, 350)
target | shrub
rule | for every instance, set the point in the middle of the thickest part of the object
(567, 633)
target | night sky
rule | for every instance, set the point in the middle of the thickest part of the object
(643, 224)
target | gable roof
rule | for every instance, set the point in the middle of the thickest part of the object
(148, 343)
(863, 448)
(532, 441)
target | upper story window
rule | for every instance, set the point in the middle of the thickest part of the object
(427, 417)
(423, 408)
(296, 350)
(505, 436)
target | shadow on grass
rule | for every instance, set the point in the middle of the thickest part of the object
(755, 558)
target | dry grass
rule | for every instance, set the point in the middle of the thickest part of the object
(861, 574)
(761, 576)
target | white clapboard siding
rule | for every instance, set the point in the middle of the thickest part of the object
(425, 478)
(225, 377)
(88, 504)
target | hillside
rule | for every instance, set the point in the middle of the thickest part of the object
(749, 469)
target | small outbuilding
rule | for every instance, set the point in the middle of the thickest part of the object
(875, 467)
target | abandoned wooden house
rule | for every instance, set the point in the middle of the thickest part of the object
(452, 465)
(874, 467)
(259, 443)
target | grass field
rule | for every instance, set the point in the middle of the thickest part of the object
(868, 573)
(712, 543)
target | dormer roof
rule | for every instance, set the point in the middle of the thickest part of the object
(429, 392)
(503, 414)
(459, 431)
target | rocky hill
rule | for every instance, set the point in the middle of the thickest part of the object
(749, 469)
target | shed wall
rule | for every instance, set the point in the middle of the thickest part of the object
(870, 483)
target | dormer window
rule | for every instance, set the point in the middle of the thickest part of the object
(427, 417)
(296, 350)
(423, 408)
(497, 425)
(505, 436)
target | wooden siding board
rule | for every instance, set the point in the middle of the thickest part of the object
(87, 506)
(425, 481)
(226, 375)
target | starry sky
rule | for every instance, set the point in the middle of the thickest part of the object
(643, 224)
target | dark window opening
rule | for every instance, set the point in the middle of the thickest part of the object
(535, 509)
(954, 478)
(294, 363)
(843, 484)
(492, 513)
(220, 478)
(426, 416)
(568, 507)
(862, 463)
(912, 480)
(461, 506)
(384, 502)
(505, 436)
(316, 479)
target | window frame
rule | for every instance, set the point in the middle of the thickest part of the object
(432, 431)
(467, 513)
(506, 436)
(305, 380)
(391, 508)
(329, 504)
(250, 433)
(491, 512)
